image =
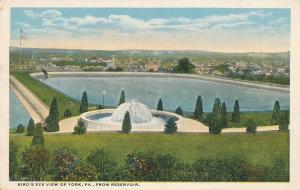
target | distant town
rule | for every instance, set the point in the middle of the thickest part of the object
(264, 67)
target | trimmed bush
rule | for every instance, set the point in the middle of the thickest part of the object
(198, 109)
(179, 111)
(105, 165)
(276, 115)
(84, 103)
(126, 125)
(236, 112)
(284, 121)
(38, 138)
(215, 122)
(160, 106)
(35, 162)
(170, 126)
(224, 115)
(122, 97)
(67, 113)
(20, 128)
(251, 126)
(80, 129)
(30, 127)
(51, 122)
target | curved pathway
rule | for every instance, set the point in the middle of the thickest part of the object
(188, 126)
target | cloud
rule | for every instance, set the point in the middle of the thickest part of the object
(44, 14)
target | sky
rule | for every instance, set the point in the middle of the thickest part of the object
(210, 29)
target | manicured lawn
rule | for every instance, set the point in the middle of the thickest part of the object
(261, 148)
(46, 93)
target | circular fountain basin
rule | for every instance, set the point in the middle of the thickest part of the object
(105, 120)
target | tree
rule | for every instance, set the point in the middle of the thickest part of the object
(67, 113)
(20, 128)
(251, 126)
(160, 106)
(198, 113)
(126, 125)
(13, 161)
(179, 111)
(184, 66)
(236, 112)
(170, 126)
(84, 103)
(53, 117)
(224, 115)
(284, 121)
(30, 127)
(122, 97)
(38, 138)
(276, 116)
(80, 129)
(215, 123)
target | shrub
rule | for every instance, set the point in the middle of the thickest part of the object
(51, 122)
(122, 97)
(20, 128)
(80, 129)
(227, 169)
(278, 172)
(179, 111)
(13, 161)
(82, 172)
(170, 126)
(198, 109)
(251, 126)
(167, 168)
(67, 113)
(84, 103)
(126, 125)
(160, 106)
(104, 164)
(30, 127)
(141, 166)
(35, 162)
(99, 107)
(64, 162)
(38, 138)
(236, 112)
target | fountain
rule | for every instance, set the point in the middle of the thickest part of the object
(142, 119)
(139, 113)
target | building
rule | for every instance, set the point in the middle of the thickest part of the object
(152, 67)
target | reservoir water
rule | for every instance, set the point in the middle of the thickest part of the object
(17, 113)
(173, 91)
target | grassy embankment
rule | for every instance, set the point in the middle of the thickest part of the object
(259, 149)
(46, 93)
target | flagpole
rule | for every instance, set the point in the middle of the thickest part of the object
(20, 37)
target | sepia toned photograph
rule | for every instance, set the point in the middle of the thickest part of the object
(119, 96)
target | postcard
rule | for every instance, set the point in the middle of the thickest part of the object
(150, 95)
